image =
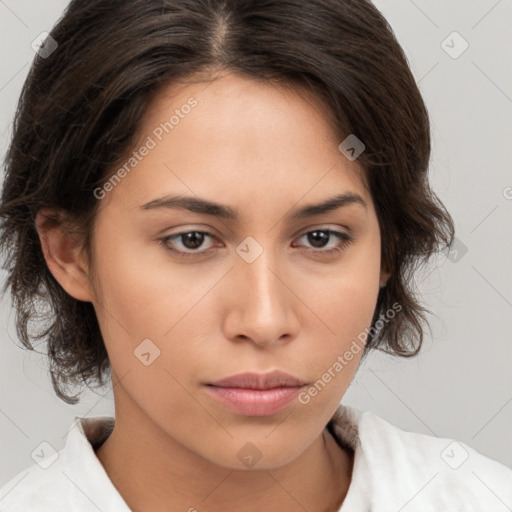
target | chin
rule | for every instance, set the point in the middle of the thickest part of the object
(252, 453)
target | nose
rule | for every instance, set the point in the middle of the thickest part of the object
(261, 307)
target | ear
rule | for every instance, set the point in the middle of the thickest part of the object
(62, 255)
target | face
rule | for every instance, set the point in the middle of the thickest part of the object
(186, 298)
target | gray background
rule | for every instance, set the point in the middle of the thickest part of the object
(460, 386)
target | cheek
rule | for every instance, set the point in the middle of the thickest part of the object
(145, 297)
(344, 303)
(345, 297)
(141, 289)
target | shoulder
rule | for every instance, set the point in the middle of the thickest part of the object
(431, 472)
(36, 489)
(70, 479)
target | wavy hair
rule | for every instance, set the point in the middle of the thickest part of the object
(80, 108)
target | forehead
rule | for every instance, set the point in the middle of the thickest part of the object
(235, 137)
(230, 93)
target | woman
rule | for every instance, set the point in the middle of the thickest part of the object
(221, 202)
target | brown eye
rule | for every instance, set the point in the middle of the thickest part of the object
(319, 239)
(190, 241)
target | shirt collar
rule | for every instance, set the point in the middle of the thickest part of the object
(92, 489)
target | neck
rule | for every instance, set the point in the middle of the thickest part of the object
(153, 472)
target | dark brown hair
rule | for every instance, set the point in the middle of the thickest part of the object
(81, 106)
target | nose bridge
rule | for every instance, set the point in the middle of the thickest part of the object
(257, 268)
(261, 302)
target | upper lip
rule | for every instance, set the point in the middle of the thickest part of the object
(253, 380)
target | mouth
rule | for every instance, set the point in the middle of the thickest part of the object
(256, 394)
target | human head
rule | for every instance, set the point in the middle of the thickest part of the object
(81, 108)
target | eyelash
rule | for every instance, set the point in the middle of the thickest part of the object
(345, 240)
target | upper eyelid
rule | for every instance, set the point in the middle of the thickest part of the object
(301, 233)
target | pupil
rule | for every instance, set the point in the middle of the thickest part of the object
(193, 240)
(317, 237)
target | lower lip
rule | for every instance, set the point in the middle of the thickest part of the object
(255, 402)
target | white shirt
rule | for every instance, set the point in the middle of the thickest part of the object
(394, 471)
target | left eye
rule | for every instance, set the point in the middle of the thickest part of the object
(319, 236)
(192, 240)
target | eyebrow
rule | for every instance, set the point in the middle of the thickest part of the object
(205, 207)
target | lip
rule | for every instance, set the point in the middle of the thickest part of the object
(254, 380)
(256, 394)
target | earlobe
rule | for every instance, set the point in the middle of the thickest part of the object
(62, 255)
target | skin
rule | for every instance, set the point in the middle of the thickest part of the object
(264, 150)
